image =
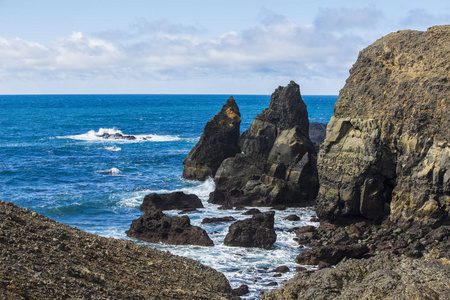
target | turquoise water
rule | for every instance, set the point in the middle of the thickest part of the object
(53, 162)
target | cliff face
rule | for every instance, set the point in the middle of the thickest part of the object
(278, 160)
(219, 141)
(387, 150)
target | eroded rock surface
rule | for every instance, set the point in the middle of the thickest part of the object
(387, 151)
(278, 160)
(175, 200)
(219, 141)
(43, 259)
(258, 231)
(155, 226)
(382, 277)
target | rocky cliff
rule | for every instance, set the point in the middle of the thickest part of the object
(387, 152)
(278, 160)
(219, 141)
(43, 259)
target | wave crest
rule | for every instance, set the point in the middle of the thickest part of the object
(113, 134)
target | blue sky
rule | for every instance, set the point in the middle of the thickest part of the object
(204, 47)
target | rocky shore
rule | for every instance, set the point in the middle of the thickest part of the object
(43, 259)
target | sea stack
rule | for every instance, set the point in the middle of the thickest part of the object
(219, 141)
(387, 152)
(277, 164)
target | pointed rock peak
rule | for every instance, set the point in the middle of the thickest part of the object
(287, 109)
(231, 110)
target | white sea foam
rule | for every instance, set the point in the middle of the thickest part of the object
(240, 265)
(112, 171)
(113, 134)
(113, 148)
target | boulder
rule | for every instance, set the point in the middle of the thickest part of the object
(219, 141)
(154, 226)
(175, 200)
(331, 254)
(257, 231)
(277, 164)
(218, 220)
(387, 150)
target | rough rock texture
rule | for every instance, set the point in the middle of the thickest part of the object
(278, 161)
(43, 259)
(387, 151)
(257, 231)
(155, 227)
(218, 220)
(331, 243)
(219, 141)
(175, 200)
(381, 277)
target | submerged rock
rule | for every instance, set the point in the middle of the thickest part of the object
(175, 200)
(155, 227)
(218, 142)
(387, 149)
(278, 161)
(257, 231)
(44, 259)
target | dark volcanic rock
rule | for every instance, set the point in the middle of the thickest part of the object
(387, 149)
(155, 227)
(242, 290)
(381, 277)
(252, 211)
(278, 161)
(331, 254)
(43, 259)
(292, 218)
(255, 232)
(175, 200)
(218, 220)
(219, 141)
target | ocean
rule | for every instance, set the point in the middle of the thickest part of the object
(53, 162)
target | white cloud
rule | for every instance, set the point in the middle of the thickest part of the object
(278, 49)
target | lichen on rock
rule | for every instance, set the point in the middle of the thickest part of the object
(387, 149)
(219, 141)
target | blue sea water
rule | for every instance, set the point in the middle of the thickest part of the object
(53, 162)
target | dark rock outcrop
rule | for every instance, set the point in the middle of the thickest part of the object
(175, 200)
(331, 254)
(44, 259)
(218, 220)
(387, 149)
(382, 277)
(257, 231)
(155, 226)
(278, 161)
(219, 141)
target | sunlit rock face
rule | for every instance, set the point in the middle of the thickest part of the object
(277, 164)
(220, 140)
(387, 152)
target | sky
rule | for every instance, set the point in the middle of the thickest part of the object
(194, 47)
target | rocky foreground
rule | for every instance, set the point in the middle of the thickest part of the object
(43, 259)
(382, 277)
